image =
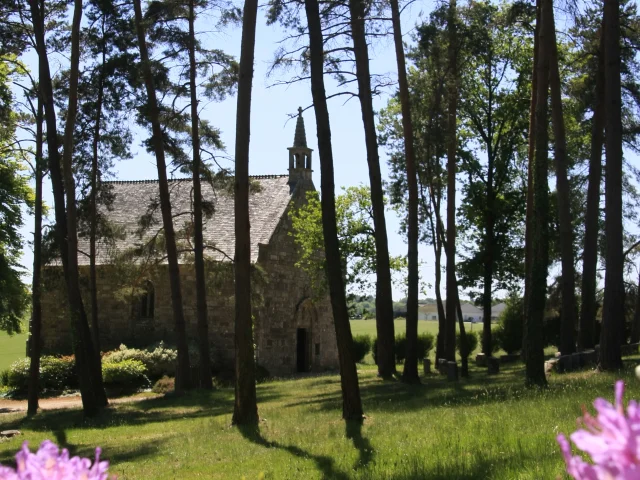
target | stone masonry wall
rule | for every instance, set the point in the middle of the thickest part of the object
(283, 303)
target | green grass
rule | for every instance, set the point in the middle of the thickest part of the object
(480, 428)
(12, 348)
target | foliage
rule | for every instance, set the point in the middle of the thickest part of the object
(425, 345)
(609, 439)
(15, 193)
(128, 374)
(510, 328)
(56, 373)
(361, 347)
(164, 385)
(472, 342)
(158, 361)
(355, 234)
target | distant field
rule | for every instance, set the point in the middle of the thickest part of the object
(368, 327)
(12, 348)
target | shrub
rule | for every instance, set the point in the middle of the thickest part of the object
(159, 361)
(361, 346)
(425, 345)
(56, 373)
(4, 377)
(128, 374)
(164, 385)
(510, 328)
(472, 342)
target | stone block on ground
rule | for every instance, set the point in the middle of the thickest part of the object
(442, 366)
(452, 371)
(550, 366)
(565, 364)
(426, 363)
(493, 365)
(509, 358)
(590, 358)
(481, 360)
(577, 360)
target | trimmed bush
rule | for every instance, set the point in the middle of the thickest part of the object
(159, 361)
(4, 377)
(164, 385)
(472, 342)
(361, 346)
(425, 345)
(56, 373)
(508, 335)
(128, 374)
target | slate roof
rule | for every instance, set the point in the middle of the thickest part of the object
(267, 204)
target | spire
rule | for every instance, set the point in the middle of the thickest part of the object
(300, 138)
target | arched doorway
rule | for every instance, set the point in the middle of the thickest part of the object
(306, 318)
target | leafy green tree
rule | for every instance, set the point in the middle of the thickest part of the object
(356, 236)
(14, 194)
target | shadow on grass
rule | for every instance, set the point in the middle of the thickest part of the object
(324, 463)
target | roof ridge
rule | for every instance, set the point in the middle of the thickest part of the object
(185, 179)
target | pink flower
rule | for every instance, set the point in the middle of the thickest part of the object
(49, 463)
(611, 439)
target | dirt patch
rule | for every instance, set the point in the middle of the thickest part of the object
(72, 401)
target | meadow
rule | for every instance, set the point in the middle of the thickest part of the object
(12, 348)
(485, 427)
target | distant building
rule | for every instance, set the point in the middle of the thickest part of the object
(293, 328)
(497, 310)
(470, 313)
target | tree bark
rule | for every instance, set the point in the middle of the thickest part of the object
(635, 327)
(384, 298)
(206, 381)
(35, 344)
(450, 331)
(587, 330)
(410, 372)
(93, 217)
(464, 347)
(183, 372)
(534, 362)
(528, 243)
(563, 193)
(89, 378)
(613, 304)
(246, 409)
(351, 403)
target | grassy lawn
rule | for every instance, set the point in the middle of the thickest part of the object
(12, 348)
(481, 428)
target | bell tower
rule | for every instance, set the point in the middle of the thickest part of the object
(299, 154)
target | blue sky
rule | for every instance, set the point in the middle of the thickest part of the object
(272, 131)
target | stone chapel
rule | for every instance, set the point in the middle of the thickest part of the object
(293, 326)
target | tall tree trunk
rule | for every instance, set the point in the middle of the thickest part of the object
(489, 237)
(635, 327)
(442, 316)
(410, 372)
(613, 304)
(563, 191)
(246, 409)
(206, 381)
(93, 215)
(450, 331)
(35, 344)
(89, 379)
(384, 298)
(528, 243)
(183, 372)
(351, 403)
(534, 362)
(587, 330)
(464, 347)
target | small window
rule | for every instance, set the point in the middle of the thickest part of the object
(317, 349)
(147, 301)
